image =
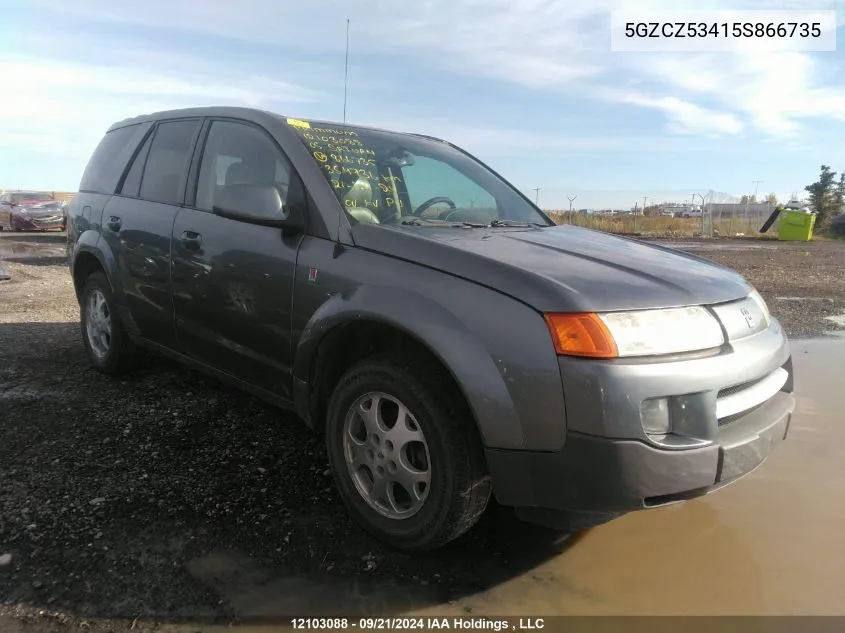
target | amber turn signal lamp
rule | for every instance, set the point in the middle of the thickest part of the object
(581, 334)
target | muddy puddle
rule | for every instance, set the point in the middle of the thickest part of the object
(769, 544)
(26, 247)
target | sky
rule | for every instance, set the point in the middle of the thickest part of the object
(530, 87)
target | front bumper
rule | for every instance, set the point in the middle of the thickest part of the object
(594, 474)
(38, 224)
(609, 464)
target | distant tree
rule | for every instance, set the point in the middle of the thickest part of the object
(822, 194)
(744, 199)
(772, 199)
(839, 195)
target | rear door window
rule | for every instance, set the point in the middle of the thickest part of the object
(109, 159)
(167, 163)
(132, 183)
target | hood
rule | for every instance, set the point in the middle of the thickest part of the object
(26, 204)
(562, 268)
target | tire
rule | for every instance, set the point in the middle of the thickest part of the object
(458, 487)
(112, 354)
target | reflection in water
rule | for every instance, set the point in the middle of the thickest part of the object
(679, 559)
(35, 246)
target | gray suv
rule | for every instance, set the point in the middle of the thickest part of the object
(443, 335)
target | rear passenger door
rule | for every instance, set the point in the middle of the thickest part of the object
(137, 224)
(232, 280)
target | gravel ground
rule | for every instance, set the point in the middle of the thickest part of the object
(803, 282)
(169, 497)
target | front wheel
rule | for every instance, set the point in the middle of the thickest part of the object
(405, 452)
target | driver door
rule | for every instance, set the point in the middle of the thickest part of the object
(232, 280)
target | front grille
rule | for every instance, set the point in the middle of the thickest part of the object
(728, 391)
(739, 400)
(733, 418)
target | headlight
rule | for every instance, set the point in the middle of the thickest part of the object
(635, 333)
(756, 298)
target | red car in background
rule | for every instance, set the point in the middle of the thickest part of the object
(31, 211)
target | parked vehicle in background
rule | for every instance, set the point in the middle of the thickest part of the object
(797, 205)
(691, 213)
(30, 211)
(668, 212)
(65, 205)
(837, 225)
(447, 339)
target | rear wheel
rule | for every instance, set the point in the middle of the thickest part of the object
(405, 452)
(109, 348)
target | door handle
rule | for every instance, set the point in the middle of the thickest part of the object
(113, 223)
(191, 240)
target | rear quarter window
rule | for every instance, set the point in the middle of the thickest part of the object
(109, 160)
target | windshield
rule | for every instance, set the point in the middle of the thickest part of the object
(29, 196)
(385, 177)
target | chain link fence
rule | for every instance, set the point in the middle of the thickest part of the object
(707, 214)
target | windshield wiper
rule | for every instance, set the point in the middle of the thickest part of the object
(514, 223)
(433, 222)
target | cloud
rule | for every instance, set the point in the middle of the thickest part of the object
(775, 92)
(74, 103)
(686, 117)
(501, 140)
(558, 49)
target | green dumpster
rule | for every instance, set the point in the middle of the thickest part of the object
(796, 226)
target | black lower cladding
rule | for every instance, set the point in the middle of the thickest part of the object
(594, 474)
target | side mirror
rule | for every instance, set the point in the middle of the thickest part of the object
(258, 204)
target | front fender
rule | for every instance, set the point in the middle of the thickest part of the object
(442, 332)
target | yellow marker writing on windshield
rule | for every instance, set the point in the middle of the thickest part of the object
(299, 123)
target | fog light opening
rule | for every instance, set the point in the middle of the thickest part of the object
(654, 413)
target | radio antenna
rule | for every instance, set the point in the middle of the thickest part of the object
(338, 245)
(346, 71)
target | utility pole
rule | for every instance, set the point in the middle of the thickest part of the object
(536, 191)
(346, 71)
(702, 210)
(571, 200)
(756, 202)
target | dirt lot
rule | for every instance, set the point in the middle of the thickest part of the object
(803, 282)
(168, 497)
